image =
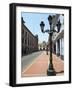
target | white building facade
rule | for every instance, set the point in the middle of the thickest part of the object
(58, 39)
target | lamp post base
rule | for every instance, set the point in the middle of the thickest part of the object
(51, 71)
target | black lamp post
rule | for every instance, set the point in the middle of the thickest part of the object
(50, 71)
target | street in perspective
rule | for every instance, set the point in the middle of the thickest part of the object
(42, 46)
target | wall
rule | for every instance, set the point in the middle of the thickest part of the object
(4, 46)
(29, 42)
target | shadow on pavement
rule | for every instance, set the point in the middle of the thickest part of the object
(60, 72)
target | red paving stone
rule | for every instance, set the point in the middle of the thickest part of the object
(40, 66)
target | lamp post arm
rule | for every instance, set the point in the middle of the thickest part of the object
(55, 31)
(47, 31)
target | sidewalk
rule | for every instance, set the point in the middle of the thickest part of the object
(40, 66)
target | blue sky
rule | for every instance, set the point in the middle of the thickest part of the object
(32, 22)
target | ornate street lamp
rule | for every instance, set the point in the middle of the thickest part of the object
(42, 26)
(58, 25)
(50, 20)
(50, 71)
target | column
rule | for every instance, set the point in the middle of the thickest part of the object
(57, 48)
(62, 48)
(62, 56)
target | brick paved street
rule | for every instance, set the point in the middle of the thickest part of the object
(40, 65)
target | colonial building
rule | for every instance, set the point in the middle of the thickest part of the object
(29, 41)
(58, 38)
(42, 46)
